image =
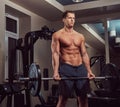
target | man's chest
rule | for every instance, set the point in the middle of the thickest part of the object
(68, 41)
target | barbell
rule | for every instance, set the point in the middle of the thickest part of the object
(35, 79)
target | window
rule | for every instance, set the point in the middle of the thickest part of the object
(12, 24)
(11, 36)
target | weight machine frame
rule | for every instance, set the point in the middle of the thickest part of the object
(26, 46)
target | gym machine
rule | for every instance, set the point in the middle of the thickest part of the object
(26, 46)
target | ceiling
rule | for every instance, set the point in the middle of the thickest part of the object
(92, 12)
(87, 11)
(69, 2)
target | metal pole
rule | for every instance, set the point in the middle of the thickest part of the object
(107, 53)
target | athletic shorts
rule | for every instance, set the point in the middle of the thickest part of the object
(68, 87)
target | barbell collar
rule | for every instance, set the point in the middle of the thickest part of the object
(28, 79)
(24, 79)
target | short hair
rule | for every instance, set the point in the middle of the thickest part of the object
(66, 12)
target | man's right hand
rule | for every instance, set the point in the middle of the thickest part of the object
(56, 76)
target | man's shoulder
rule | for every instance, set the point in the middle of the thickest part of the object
(79, 34)
(57, 33)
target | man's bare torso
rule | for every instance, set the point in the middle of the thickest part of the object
(70, 45)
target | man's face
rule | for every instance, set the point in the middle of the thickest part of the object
(69, 20)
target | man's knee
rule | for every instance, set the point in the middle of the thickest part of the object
(62, 100)
(82, 101)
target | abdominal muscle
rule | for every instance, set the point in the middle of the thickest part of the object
(72, 57)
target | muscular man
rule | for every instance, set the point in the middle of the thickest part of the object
(70, 59)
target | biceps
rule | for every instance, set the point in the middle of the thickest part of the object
(55, 47)
(55, 53)
(83, 49)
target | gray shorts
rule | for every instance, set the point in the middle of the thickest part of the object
(67, 87)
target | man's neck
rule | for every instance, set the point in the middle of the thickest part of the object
(69, 30)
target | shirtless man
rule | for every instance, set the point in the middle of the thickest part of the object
(70, 59)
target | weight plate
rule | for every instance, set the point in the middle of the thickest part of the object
(111, 70)
(35, 84)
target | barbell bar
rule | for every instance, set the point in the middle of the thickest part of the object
(77, 78)
(35, 79)
(69, 78)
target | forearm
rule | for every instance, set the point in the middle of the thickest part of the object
(86, 61)
(55, 62)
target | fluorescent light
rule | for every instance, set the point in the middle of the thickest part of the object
(117, 40)
(108, 23)
(113, 33)
(76, 1)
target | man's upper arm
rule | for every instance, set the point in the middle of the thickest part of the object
(55, 43)
(83, 48)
